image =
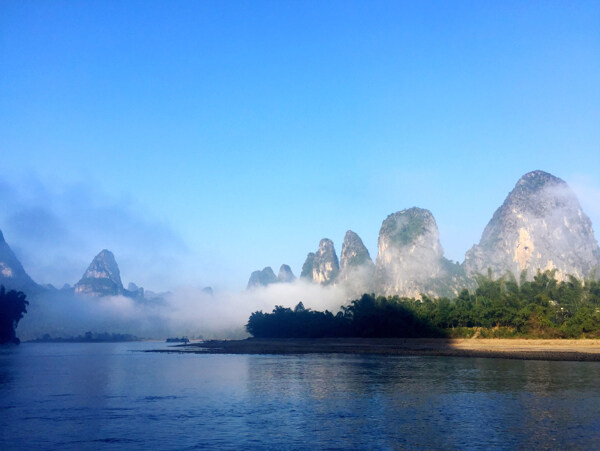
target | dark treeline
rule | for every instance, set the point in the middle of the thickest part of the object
(541, 308)
(13, 305)
(365, 317)
(88, 337)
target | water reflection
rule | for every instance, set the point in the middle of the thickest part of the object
(430, 401)
(97, 395)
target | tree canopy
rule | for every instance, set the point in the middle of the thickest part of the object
(13, 305)
(543, 307)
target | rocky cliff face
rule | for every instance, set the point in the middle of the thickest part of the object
(356, 267)
(285, 274)
(323, 266)
(262, 278)
(540, 225)
(102, 278)
(354, 253)
(12, 274)
(410, 259)
(267, 277)
(307, 267)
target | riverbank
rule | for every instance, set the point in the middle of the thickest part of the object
(523, 349)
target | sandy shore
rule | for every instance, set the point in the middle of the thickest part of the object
(568, 350)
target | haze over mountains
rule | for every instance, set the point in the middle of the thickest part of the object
(267, 276)
(12, 273)
(540, 226)
(101, 278)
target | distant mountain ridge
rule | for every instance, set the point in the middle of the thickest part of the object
(266, 276)
(540, 226)
(102, 277)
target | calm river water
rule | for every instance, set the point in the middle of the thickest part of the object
(105, 396)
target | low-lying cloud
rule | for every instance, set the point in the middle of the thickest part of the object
(186, 311)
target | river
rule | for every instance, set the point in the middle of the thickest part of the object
(110, 396)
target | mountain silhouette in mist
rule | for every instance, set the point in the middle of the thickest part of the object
(12, 273)
(539, 226)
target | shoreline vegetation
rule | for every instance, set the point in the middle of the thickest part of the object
(543, 308)
(88, 337)
(502, 348)
(13, 305)
(541, 319)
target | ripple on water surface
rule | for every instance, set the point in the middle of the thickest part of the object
(90, 396)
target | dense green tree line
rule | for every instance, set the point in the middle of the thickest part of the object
(543, 307)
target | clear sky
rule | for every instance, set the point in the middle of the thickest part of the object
(200, 140)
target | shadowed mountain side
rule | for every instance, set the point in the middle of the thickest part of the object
(261, 278)
(285, 274)
(267, 277)
(354, 252)
(12, 273)
(356, 266)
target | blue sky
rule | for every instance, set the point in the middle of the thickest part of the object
(202, 140)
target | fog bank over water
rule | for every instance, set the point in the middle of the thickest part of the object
(185, 311)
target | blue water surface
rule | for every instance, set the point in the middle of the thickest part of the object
(108, 396)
